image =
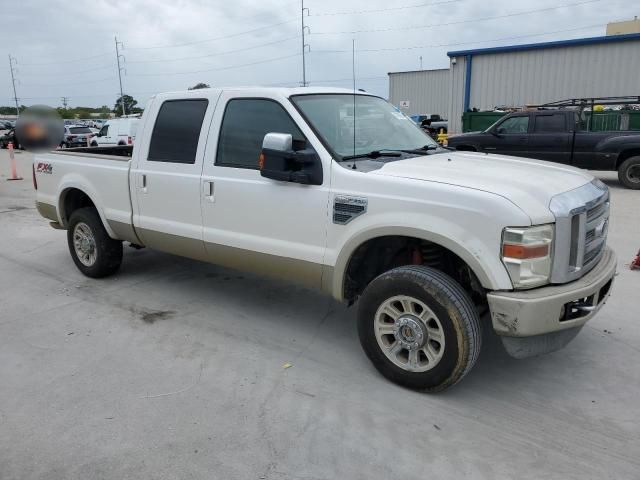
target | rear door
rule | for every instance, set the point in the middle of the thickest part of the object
(551, 137)
(167, 177)
(509, 137)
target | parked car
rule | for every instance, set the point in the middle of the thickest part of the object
(431, 123)
(6, 125)
(76, 136)
(9, 137)
(425, 239)
(558, 136)
(119, 131)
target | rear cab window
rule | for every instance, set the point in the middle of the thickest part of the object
(550, 123)
(177, 130)
(76, 130)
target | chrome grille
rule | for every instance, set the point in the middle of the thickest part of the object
(582, 217)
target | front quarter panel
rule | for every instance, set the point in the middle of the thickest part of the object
(466, 221)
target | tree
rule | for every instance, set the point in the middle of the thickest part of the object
(197, 86)
(129, 105)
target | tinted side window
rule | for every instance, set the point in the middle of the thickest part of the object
(176, 132)
(515, 125)
(104, 130)
(246, 121)
(550, 123)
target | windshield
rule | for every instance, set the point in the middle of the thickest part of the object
(378, 125)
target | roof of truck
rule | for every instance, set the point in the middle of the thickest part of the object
(285, 91)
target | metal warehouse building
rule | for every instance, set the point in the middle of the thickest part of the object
(521, 74)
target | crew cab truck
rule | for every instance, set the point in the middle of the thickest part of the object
(357, 202)
(559, 136)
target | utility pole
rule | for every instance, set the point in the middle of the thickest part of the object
(12, 63)
(64, 101)
(304, 45)
(120, 72)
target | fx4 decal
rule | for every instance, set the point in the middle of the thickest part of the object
(44, 168)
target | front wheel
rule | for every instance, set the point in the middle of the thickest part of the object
(629, 173)
(95, 253)
(419, 328)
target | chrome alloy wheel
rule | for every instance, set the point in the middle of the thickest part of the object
(84, 244)
(409, 333)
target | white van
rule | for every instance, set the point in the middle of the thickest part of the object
(119, 131)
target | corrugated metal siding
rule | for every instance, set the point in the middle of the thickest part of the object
(427, 91)
(539, 76)
(456, 102)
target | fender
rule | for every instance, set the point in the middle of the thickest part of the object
(491, 277)
(71, 181)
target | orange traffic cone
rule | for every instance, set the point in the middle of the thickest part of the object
(14, 169)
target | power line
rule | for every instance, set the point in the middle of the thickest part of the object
(214, 69)
(83, 59)
(379, 10)
(217, 53)
(72, 83)
(175, 45)
(458, 22)
(455, 44)
(74, 72)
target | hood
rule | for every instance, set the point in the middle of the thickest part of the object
(529, 184)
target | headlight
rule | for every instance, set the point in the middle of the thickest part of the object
(527, 253)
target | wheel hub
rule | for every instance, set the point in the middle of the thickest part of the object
(410, 333)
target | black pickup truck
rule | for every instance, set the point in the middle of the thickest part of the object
(559, 136)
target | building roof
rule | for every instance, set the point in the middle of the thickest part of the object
(538, 46)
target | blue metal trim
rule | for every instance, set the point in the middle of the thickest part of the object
(556, 44)
(467, 82)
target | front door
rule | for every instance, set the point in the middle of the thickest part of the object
(510, 137)
(254, 223)
(167, 179)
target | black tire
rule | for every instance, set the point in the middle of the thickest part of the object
(108, 252)
(449, 302)
(64, 145)
(94, 144)
(629, 173)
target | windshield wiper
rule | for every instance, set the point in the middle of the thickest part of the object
(375, 154)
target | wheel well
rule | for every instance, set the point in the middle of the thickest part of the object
(72, 200)
(381, 254)
(626, 154)
(466, 148)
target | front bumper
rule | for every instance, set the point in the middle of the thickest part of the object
(556, 307)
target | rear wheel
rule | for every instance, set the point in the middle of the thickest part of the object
(93, 251)
(419, 328)
(629, 173)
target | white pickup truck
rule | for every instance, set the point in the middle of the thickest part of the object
(341, 192)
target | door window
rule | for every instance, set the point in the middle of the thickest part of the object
(176, 132)
(104, 131)
(550, 123)
(514, 125)
(246, 121)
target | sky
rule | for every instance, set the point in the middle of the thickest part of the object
(67, 48)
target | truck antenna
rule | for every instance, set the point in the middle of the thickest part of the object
(353, 73)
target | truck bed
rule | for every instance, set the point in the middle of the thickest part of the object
(86, 169)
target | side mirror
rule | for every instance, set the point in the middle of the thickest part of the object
(496, 132)
(279, 161)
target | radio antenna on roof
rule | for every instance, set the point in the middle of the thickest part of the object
(353, 73)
